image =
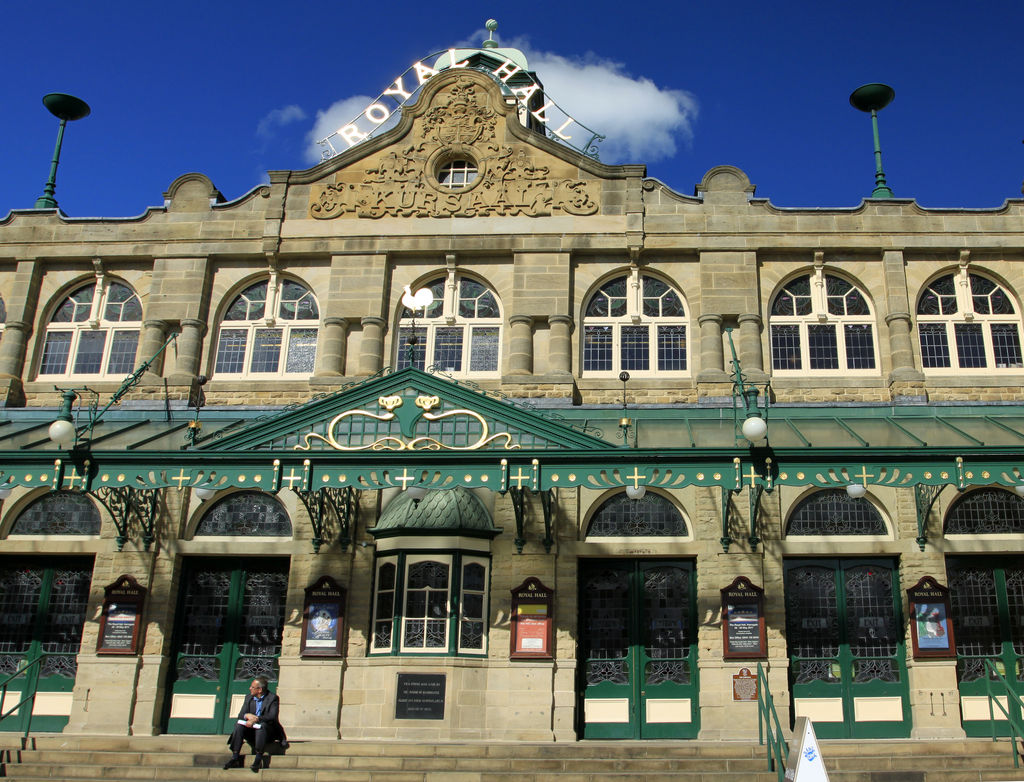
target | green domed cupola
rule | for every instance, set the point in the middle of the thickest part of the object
(442, 512)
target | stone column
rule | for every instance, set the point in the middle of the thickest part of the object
(190, 348)
(750, 348)
(520, 344)
(901, 348)
(371, 351)
(12, 348)
(712, 354)
(560, 344)
(154, 334)
(330, 356)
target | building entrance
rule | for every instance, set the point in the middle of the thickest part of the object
(42, 610)
(845, 636)
(987, 603)
(638, 655)
(230, 617)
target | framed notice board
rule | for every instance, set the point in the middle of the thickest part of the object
(121, 618)
(743, 627)
(323, 619)
(532, 617)
(930, 628)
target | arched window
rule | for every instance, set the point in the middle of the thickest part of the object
(636, 323)
(820, 322)
(249, 513)
(59, 513)
(650, 516)
(986, 512)
(459, 333)
(94, 331)
(834, 512)
(967, 321)
(270, 329)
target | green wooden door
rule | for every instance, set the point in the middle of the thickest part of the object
(231, 614)
(987, 606)
(844, 631)
(42, 611)
(638, 650)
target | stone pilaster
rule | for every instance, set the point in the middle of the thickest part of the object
(750, 347)
(190, 348)
(371, 350)
(520, 360)
(712, 355)
(154, 334)
(330, 355)
(560, 357)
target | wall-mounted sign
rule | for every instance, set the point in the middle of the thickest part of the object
(323, 619)
(743, 627)
(514, 80)
(532, 617)
(744, 685)
(930, 628)
(420, 696)
(121, 617)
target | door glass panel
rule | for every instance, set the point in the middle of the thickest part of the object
(62, 633)
(19, 596)
(606, 617)
(975, 620)
(1015, 601)
(812, 623)
(205, 609)
(666, 625)
(871, 627)
(259, 641)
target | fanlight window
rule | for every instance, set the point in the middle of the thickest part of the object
(459, 333)
(94, 331)
(650, 516)
(821, 323)
(252, 514)
(834, 512)
(269, 330)
(635, 323)
(986, 512)
(967, 321)
(59, 513)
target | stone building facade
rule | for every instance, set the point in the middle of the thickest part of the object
(886, 338)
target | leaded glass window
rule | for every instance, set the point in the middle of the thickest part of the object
(249, 513)
(968, 322)
(459, 333)
(270, 330)
(986, 512)
(430, 604)
(636, 322)
(834, 512)
(821, 323)
(94, 332)
(59, 513)
(650, 516)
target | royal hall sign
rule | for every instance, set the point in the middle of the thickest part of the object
(521, 84)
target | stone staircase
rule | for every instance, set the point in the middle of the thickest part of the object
(199, 758)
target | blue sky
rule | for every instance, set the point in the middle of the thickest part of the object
(235, 89)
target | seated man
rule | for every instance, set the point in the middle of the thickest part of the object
(257, 724)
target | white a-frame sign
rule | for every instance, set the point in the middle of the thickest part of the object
(805, 763)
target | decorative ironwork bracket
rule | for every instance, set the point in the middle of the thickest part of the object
(321, 504)
(548, 501)
(125, 503)
(756, 493)
(519, 507)
(925, 496)
(726, 539)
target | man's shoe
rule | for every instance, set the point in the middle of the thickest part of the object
(233, 763)
(284, 743)
(257, 764)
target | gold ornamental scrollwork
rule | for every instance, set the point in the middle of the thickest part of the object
(398, 443)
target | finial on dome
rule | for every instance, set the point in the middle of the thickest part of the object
(491, 25)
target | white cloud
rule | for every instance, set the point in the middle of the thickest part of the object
(278, 118)
(641, 121)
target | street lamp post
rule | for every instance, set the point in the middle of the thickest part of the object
(66, 108)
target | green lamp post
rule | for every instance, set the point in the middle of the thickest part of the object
(66, 108)
(872, 98)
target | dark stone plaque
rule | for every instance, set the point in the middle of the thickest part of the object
(420, 696)
(121, 617)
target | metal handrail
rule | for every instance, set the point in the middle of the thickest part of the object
(28, 698)
(992, 677)
(768, 726)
